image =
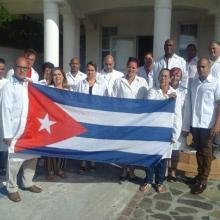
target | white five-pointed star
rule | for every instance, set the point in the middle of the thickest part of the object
(46, 123)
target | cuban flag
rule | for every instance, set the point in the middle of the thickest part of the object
(66, 124)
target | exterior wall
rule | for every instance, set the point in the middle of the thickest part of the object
(10, 55)
(92, 42)
(205, 23)
(137, 23)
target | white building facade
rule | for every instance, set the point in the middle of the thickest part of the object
(122, 28)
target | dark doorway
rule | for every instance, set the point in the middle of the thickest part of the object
(144, 44)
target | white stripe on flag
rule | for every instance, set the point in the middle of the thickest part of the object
(93, 145)
(98, 117)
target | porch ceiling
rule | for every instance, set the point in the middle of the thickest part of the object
(86, 7)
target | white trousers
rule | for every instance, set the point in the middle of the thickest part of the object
(28, 168)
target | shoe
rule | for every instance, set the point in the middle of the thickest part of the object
(198, 188)
(15, 197)
(160, 188)
(82, 170)
(171, 179)
(193, 181)
(34, 189)
(132, 176)
(145, 187)
(92, 168)
(51, 175)
(123, 178)
(60, 173)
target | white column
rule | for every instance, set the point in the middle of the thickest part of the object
(217, 27)
(162, 25)
(70, 39)
(77, 23)
(51, 32)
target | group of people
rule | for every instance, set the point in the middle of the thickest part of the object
(194, 83)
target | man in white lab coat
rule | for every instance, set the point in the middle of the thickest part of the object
(146, 71)
(75, 75)
(31, 74)
(169, 60)
(3, 148)
(191, 61)
(109, 74)
(14, 99)
(214, 51)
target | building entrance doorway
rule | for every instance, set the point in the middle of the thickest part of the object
(144, 44)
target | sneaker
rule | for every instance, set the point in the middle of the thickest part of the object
(160, 188)
(198, 188)
(146, 187)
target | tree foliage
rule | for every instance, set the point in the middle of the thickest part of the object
(20, 31)
(6, 17)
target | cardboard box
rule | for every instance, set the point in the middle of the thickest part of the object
(187, 163)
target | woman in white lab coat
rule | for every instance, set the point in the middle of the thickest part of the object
(93, 86)
(164, 92)
(178, 142)
(133, 87)
(47, 73)
(56, 165)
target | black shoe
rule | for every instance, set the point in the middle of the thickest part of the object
(193, 181)
(171, 179)
(92, 169)
(198, 188)
(122, 178)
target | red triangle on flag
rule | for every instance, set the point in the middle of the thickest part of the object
(46, 123)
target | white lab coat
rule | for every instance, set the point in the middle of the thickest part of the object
(34, 75)
(191, 67)
(99, 88)
(136, 90)
(72, 81)
(109, 78)
(215, 68)
(14, 113)
(157, 94)
(149, 77)
(3, 147)
(174, 61)
(200, 108)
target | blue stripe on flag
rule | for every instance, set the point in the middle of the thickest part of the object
(139, 133)
(106, 103)
(117, 157)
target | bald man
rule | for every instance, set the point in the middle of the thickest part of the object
(31, 74)
(170, 60)
(202, 114)
(214, 51)
(13, 103)
(74, 76)
(108, 73)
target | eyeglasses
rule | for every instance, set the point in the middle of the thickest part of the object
(22, 67)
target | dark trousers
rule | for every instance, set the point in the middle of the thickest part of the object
(3, 160)
(203, 144)
(159, 170)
